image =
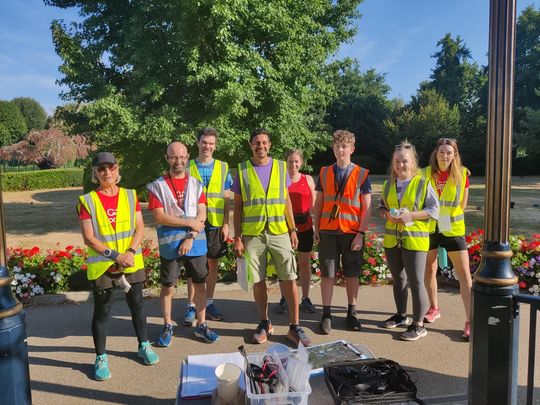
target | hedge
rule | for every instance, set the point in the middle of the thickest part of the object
(40, 179)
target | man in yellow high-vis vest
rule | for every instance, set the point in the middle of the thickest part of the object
(264, 225)
(214, 175)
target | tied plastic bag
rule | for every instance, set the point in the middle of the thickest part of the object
(243, 272)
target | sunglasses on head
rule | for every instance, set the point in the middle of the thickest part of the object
(404, 146)
(442, 141)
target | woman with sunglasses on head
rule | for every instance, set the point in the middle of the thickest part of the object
(451, 180)
(408, 202)
(112, 228)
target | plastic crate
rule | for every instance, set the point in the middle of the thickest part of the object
(281, 398)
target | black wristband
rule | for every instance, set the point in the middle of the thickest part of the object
(131, 250)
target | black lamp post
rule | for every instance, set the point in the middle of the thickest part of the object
(493, 351)
(14, 368)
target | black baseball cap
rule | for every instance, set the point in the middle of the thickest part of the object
(103, 158)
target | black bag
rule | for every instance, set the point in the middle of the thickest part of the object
(369, 381)
(300, 219)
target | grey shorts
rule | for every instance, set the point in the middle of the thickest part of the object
(107, 279)
(278, 248)
(216, 247)
(334, 247)
(195, 266)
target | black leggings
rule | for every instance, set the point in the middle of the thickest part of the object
(102, 309)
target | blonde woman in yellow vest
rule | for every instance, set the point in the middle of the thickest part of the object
(408, 202)
(214, 175)
(112, 228)
(451, 180)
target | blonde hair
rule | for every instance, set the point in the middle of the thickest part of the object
(456, 167)
(405, 145)
(342, 136)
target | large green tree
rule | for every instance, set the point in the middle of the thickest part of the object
(527, 73)
(362, 106)
(33, 112)
(12, 123)
(425, 119)
(155, 70)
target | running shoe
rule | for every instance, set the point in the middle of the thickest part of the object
(146, 353)
(101, 368)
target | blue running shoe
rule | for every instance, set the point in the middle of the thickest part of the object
(190, 318)
(164, 340)
(202, 332)
(147, 354)
(213, 313)
(102, 371)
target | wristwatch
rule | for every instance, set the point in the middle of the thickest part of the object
(107, 253)
(189, 236)
(131, 250)
(295, 229)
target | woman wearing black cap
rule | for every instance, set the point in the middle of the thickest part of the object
(112, 228)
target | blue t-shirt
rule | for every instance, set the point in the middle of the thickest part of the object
(205, 170)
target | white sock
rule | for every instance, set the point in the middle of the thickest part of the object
(209, 301)
(191, 304)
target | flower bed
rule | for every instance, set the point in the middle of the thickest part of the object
(37, 272)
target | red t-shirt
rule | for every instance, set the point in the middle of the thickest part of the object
(110, 204)
(440, 181)
(178, 187)
(301, 200)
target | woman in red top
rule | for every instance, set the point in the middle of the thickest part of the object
(448, 176)
(302, 195)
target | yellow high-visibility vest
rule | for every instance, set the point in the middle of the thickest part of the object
(416, 236)
(260, 208)
(450, 203)
(118, 239)
(215, 192)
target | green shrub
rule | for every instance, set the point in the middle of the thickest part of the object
(40, 179)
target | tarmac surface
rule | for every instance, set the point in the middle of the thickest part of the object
(61, 351)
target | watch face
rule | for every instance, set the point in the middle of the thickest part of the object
(107, 252)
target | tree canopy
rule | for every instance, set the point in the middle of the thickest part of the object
(155, 70)
(12, 123)
(34, 114)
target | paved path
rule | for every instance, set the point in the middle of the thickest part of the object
(61, 350)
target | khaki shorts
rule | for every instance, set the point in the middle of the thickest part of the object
(280, 250)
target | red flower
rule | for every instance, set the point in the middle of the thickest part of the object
(374, 278)
(372, 261)
(84, 267)
(480, 232)
(79, 251)
(522, 284)
(536, 236)
(64, 254)
(35, 250)
(55, 259)
(69, 248)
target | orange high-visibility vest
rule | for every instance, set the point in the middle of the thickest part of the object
(351, 210)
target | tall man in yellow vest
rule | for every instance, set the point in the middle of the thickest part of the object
(341, 218)
(179, 206)
(264, 224)
(214, 175)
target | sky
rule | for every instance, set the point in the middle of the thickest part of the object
(395, 37)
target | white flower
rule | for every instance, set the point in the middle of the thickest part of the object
(28, 274)
(16, 269)
(24, 279)
(32, 293)
(14, 282)
(52, 273)
(25, 285)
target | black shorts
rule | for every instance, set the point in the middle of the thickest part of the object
(332, 247)
(450, 243)
(195, 266)
(305, 241)
(216, 247)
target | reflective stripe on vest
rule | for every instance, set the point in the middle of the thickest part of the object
(450, 203)
(260, 208)
(169, 237)
(351, 210)
(415, 237)
(118, 239)
(215, 192)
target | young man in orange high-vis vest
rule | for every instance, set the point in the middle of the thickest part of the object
(341, 218)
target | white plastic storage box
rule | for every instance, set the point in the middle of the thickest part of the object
(281, 398)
